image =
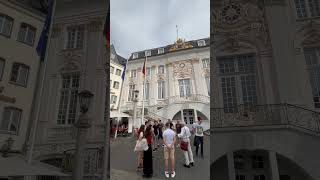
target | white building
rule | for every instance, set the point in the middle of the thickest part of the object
(177, 82)
(77, 59)
(265, 90)
(20, 29)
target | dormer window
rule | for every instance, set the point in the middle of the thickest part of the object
(135, 55)
(201, 43)
(147, 53)
(160, 50)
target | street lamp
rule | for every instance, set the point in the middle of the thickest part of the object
(135, 101)
(82, 125)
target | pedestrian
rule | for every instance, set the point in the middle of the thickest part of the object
(138, 147)
(169, 140)
(178, 130)
(171, 124)
(160, 136)
(147, 155)
(156, 134)
(185, 145)
(198, 138)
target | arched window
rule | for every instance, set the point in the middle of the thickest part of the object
(68, 98)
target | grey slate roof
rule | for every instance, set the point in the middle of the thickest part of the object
(154, 51)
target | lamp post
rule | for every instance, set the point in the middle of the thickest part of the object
(135, 101)
(82, 126)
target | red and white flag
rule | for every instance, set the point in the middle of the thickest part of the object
(144, 67)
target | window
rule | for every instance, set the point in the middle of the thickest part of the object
(146, 90)
(75, 37)
(237, 77)
(116, 85)
(207, 78)
(68, 98)
(135, 56)
(19, 74)
(27, 34)
(133, 73)
(161, 69)
(6, 23)
(161, 89)
(118, 72)
(184, 87)
(111, 69)
(160, 50)
(201, 43)
(240, 177)
(206, 63)
(131, 92)
(258, 177)
(113, 99)
(239, 161)
(257, 162)
(307, 8)
(312, 56)
(147, 53)
(148, 71)
(11, 120)
(2, 63)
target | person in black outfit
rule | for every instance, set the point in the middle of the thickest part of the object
(156, 134)
(147, 155)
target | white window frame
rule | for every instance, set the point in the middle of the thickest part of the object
(132, 88)
(147, 91)
(201, 43)
(184, 87)
(134, 73)
(205, 62)
(161, 89)
(18, 76)
(71, 91)
(118, 72)
(11, 110)
(161, 66)
(135, 55)
(113, 99)
(303, 9)
(78, 41)
(111, 69)
(6, 20)
(29, 29)
(147, 53)
(116, 85)
(148, 71)
(160, 50)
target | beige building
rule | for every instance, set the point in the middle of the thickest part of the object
(265, 90)
(177, 82)
(20, 29)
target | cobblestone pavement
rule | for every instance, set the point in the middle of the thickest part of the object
(123, 162)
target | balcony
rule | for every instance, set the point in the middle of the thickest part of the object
(61, 133)
(266, 115)
(190, 98)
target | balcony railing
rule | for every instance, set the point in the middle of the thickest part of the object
(263, 115)
(62, 133)
(190, 98)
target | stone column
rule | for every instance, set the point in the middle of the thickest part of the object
(182, 115)
(274, 171)
(231, 170)
(195, 115)
(170, 83)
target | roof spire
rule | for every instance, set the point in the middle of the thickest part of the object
(177, 32)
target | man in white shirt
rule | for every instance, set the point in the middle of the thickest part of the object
(185, 137)
(198, 138)
(169, 140)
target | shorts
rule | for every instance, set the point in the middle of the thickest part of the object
(168, 153)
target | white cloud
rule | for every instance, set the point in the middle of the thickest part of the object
(142, 24)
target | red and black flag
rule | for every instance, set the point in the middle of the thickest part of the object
(144, 67)
(106, 31)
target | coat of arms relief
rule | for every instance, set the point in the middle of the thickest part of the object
(182, 69)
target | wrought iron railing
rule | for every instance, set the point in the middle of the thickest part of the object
(191, 97)
(263, 115)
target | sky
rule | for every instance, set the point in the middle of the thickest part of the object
(144, 24)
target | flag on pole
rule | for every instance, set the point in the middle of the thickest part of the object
(42, 44)
(144, 67)
(106, 30)
(124, 72)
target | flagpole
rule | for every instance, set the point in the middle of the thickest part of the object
(120, 97)
(143, 91)
(34, 128)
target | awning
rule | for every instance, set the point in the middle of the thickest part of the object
(18, 166)
(114, 114)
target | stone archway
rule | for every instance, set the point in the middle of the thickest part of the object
(189, 117)
(256, 164)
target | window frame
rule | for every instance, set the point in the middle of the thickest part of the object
(160, 50)
(147, 53)
(161, 89)
(3, 67)
(6, 17)
(118, 70)
(26, 78)
(201, 43)
(135, 55)
(8, 131)
(162, 66)
(79, 30)
(307, 9)
(29, 26)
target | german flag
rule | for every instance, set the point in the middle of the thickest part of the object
(106, 30)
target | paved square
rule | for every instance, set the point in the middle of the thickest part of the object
(123, 162)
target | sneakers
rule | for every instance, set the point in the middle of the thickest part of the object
(166, 173)
(173, 174)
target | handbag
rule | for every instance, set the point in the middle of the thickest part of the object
(138, 146)
(184, 146)
(144, 144)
